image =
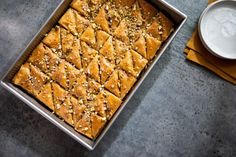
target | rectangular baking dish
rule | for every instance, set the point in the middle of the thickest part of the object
(175, 15)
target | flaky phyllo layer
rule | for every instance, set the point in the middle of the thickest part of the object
(88, 63)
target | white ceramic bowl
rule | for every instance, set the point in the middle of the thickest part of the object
(217, 28)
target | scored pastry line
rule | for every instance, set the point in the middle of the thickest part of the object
(98, 47)
(116, 68)
(57, 105)
(72, 110)
(106, 105)
(52, 93)
(78, 34)
(66, 75)
(160, 27)
(60, 42)
(114, 37)
(76, 25)
(31, 78)
(58, 83)
(119, 82)
(99, 68)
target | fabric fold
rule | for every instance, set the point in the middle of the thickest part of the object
(196, 52)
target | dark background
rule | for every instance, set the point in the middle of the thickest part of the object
(181, 109)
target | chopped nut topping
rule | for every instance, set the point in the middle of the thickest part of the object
(58, 106)
(94, 72)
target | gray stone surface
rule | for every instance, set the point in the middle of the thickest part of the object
(181, 109)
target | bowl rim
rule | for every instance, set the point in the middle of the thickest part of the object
(201, 34)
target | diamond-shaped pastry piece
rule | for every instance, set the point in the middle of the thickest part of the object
(89, 36)
(140, 46)
(133, 63)
(67, 40)
(101, 37)
(120, 83)
(53, 38)
(84, 125)
(167, 26)
(97, 124)
(71, 48)
(30, 78)
(66, 74)
(113, 103)
(68, 21)
(81, 6)
(60, 74)
(93, 68)
(44, 59)
(88, 54)
(101, 20)
(46, 96)
(74, 56)
(78, 109)
(99, 104)
(65, 110)
(152, 46)
(121, 32)
(114, 18)
(138, 62)
(106, 69)
(79, 87)
(38, 79)
(126, 83)
(108, 50)
(155, 29)
(120, 49)
(59, 94)
(113, 83)
(93, 89)
(127, 63)
(106, 104)
(72, 75)
(81, 23)
(82, 87)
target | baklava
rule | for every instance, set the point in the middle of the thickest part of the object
(86, 65)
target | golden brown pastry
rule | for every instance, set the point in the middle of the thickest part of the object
(44, 59)
(152, 46)
(120, 83)
(108, 50)
(46, 96)
(30, 78)
(121, 32)
(101, 20)
(53, 38)
(167, 26)
(97, 124)
(81, 6)
(89, 36)
(84, 125)
(101, 37)
(148, 10)
(87, 64)
(105, 104)
(133, 63)
(68, 21)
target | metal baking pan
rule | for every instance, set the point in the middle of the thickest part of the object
(175, 15)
